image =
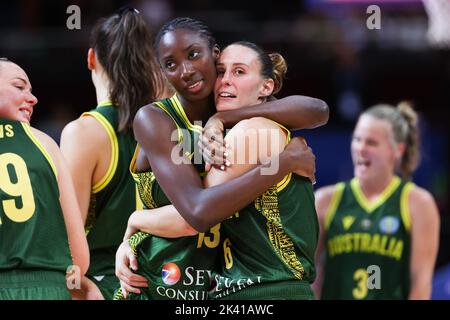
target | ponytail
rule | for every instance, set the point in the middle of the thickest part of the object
(123, 47)
(411, 157)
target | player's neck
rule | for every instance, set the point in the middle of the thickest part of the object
(101, 84)
(102, 94)
(198, 110)
(373, 188)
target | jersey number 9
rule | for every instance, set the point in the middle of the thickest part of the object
(15, 182)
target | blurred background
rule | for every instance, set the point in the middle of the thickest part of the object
(331, 54)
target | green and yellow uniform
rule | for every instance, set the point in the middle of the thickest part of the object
(368, 244)
(178, 269)
(113, 200)
(34, 248)
(269, 246)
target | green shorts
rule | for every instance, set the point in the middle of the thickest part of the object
(33, 285)
(118, 295)
(286, 290)
(107, 285)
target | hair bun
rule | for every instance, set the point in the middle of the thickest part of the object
(279, 69)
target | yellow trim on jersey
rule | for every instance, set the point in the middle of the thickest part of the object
(162, 106)
(36, 141)
(283, 128)
(141, 182)
(139, 203)
(283, 183)
(179, 109)
(281, 242)
(105, 103)
(114, 151)
(135, 240)
(334, 203)
(404, 205)
(132, 166)
(362, 200)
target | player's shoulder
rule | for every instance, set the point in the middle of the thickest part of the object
(420, 198)
(257, 125)
(86, 128)
(324, 197)
(327, 192)
(149, 112)
(48, 143)
(422, 206)
(44, 138)
(151, 122)
(83, 125)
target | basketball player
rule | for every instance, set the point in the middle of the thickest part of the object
(41, 230)
(379, 232)
(191, 72)
(100, 144)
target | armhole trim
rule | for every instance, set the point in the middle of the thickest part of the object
(36, 141)
(104, 181)
(334, 203)
(404, 205)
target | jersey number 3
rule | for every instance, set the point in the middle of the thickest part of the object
(15, 182)
(360, 276)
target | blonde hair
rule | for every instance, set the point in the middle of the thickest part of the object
(279, 69)
(404, 123)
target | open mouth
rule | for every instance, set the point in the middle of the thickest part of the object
(363, 163)
(195, 87)
(26, 112)
(226, 95)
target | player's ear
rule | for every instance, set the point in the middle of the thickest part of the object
(216, 52)
(400, 150)
(266, 88)
(91, 59)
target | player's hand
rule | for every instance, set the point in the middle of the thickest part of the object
(302, 158)
(88, 291)
(125, 260)
(212, 145)
(91, 291)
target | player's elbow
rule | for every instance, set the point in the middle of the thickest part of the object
(199, 225)
(312, 113)
(185, 228)
(189, 230)
(321, 111)
(199, 221)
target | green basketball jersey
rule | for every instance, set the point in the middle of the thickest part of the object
(33, 235)
(113, 198)
(178, 268)
(367, 244)
(269, 246)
